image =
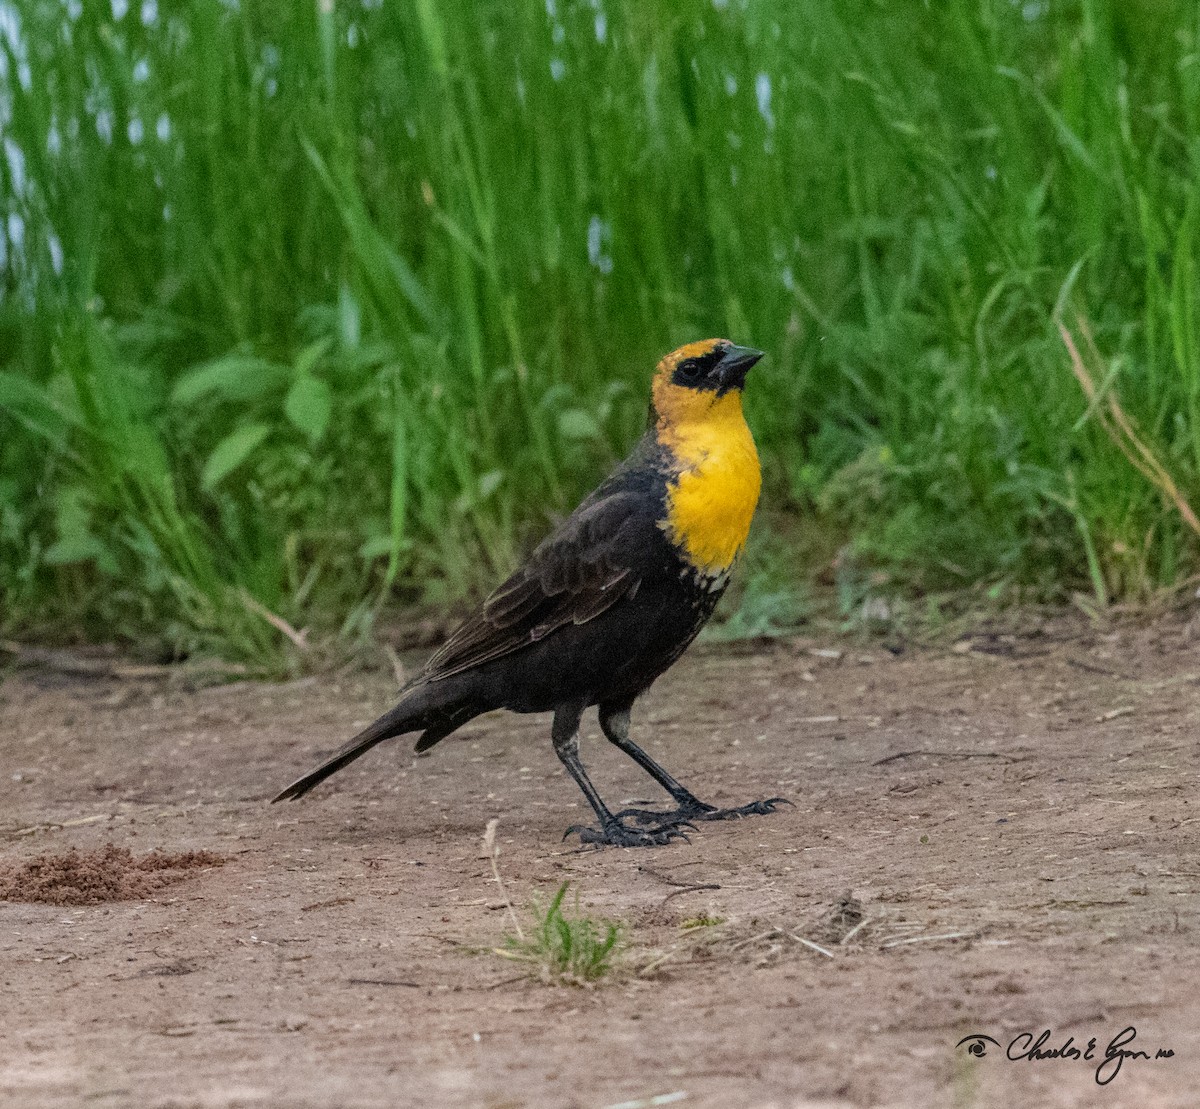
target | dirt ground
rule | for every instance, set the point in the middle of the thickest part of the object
(1010, 817)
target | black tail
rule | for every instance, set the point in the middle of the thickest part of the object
(418, 710)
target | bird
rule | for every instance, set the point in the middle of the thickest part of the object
(609, 601)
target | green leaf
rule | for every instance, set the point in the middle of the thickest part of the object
(231, 452)
(307, 359)
(308, 405)
(236, 377)
(85, 548)
(37, 409)
(489, 483)
(575, 423)
(377, 546)
(76, 543)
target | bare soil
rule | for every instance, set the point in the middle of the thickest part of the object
(993, 837)
(107, 873)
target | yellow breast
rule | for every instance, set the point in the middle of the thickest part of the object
(711, 503)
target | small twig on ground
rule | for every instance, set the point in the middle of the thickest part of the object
(853, 932)
(755, 939)
(656, 963)
(946, 755)
(690, 889)
(382, 982)
(930, 939)
(784, 934)
(398, 670)
(298, 638)
(1092, 668)
(507, 981)
(809, 943)
(326, 904)
(493, 855)
(683, 887)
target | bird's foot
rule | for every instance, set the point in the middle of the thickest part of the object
(699, 810)
(616, 833)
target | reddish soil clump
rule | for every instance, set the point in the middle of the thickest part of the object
(90, 877)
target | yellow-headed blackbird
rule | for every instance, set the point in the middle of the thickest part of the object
(610, 599)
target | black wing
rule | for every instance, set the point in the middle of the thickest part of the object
(593, 561)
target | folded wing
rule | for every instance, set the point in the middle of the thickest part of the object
(591, 563)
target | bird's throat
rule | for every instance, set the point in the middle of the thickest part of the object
(711, 500)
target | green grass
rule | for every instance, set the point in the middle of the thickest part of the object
(568, 949)
(316, 307)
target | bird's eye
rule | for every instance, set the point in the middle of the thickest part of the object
(689, 370)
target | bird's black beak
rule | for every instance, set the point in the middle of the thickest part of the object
(734, 366)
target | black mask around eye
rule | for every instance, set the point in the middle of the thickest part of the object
(723, 368)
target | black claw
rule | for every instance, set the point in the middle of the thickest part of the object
(755, 808)
(659, 828)
(616, 834)
(701, 811)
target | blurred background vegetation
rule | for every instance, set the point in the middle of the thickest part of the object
(308, 309)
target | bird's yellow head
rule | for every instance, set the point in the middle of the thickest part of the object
(690, 382)
(696, 414)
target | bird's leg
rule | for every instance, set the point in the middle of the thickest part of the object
(565, 734)
(614, 722)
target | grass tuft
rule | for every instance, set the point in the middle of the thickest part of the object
(575, 950)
